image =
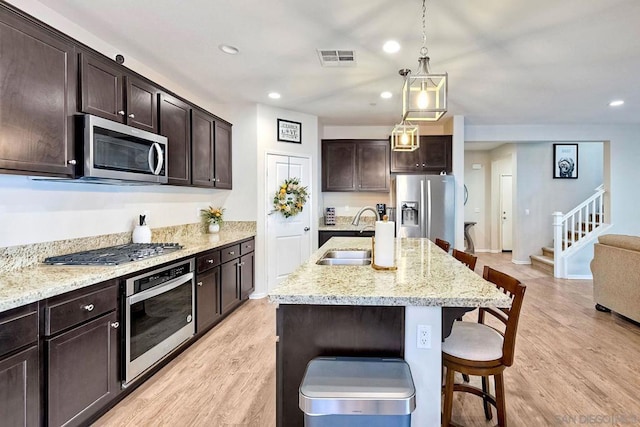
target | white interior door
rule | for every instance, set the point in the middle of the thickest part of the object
(288, 239)
(506, 214)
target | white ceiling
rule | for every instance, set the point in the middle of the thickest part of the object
(509, 62)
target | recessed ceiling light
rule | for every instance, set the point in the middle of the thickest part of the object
(391, 46)
(231, 50)
(386, 95)
(274, 95)
(616, 103)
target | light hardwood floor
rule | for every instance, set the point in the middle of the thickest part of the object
(573, 366)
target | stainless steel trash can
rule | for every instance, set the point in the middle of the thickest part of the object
(357, 392)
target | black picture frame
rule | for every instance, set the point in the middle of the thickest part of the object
(565, 161)
(289, 131)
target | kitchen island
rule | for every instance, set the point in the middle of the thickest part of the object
(342, 310)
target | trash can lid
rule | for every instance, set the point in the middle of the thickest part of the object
(355, 385)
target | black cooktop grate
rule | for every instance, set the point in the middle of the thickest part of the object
(114, 255)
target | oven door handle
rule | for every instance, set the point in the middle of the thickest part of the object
(150, 293)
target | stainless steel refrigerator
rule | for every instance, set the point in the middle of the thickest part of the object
(425, 206)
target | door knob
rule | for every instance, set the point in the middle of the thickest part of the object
(307, 229)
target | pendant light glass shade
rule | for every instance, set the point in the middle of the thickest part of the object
(405, 137)
(424, 95)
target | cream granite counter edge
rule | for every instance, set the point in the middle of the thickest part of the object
(426, 276)
(21, 287)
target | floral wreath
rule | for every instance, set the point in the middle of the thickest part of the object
(290, 197)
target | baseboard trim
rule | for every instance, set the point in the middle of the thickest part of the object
(258, 296)
(515, 261)
(484, 251)
(579, 276)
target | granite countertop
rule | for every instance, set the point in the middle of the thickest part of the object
(426, 276)
(42, 281)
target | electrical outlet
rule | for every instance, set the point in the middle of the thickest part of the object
(424, 336)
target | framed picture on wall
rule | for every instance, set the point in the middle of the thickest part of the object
(565, 161)
(289, 131)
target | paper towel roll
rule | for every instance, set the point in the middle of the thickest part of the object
(384, 248)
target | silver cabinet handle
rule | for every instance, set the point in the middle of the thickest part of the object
(199, 283)
(231, 253)
(307, 229)
(213, 179)
(115, 325)
(121, 112)
(132, 116)
(88, 307)
(72, 162)
(210, 261)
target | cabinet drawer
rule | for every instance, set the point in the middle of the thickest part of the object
(246, 247)
(68, 313)
(18, 327)
(207, 261)
(230, 253)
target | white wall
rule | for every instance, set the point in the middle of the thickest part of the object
(542, 195)
(267, 142)
(622, 149)
(478, 204)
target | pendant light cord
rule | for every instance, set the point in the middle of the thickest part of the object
(423, 50)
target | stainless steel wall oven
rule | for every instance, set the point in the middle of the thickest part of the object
(158, 315)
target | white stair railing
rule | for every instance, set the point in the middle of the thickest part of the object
(574, 228)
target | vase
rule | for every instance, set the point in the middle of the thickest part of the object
(141, 234)
(214, 228)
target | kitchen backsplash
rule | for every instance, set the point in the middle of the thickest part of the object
(17, 257)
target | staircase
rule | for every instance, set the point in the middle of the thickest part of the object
(572, 230)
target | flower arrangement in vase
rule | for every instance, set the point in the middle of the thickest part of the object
(213, 217)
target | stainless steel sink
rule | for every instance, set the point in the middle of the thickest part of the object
(346, 257)
(344, 261)
(350, 254)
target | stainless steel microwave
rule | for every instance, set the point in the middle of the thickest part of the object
(116, 152)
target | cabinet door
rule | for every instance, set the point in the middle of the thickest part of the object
(101, 88)
(436, 153)
(142, 104)
(222, 156)
(82, 371)
(20, 389)
(207, 299)
(229, 280)
(202, 143)
(406, 161)
(175, 124)
(247, 275)
(373, 166)
(38, 98)
(339, 166)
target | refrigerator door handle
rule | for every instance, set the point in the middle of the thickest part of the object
(429, 209)
(422, 208)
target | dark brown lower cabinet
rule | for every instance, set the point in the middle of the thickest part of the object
(82, 371)
(19, 389)
(208, 309)
(247, 275)
(229, 279)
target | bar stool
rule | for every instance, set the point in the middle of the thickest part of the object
(465, 258)
(443, 244)
(479, 349)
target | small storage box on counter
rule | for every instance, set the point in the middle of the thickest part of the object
(357, 392)
(330, 216)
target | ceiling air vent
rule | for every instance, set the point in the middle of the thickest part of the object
(337, 58)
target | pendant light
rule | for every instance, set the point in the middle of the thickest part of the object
(424, 94)
(405, 137)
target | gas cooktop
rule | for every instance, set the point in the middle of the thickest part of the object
(114, 255)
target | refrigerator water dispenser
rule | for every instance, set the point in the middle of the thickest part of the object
(410, 215)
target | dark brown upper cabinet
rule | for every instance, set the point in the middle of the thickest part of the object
(222, 157)
(355, 165)
(175, 124)
(39, 91)
(109, 92)
(433, 156)
(211, 151)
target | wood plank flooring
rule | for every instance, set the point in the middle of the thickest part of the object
(573, 366)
